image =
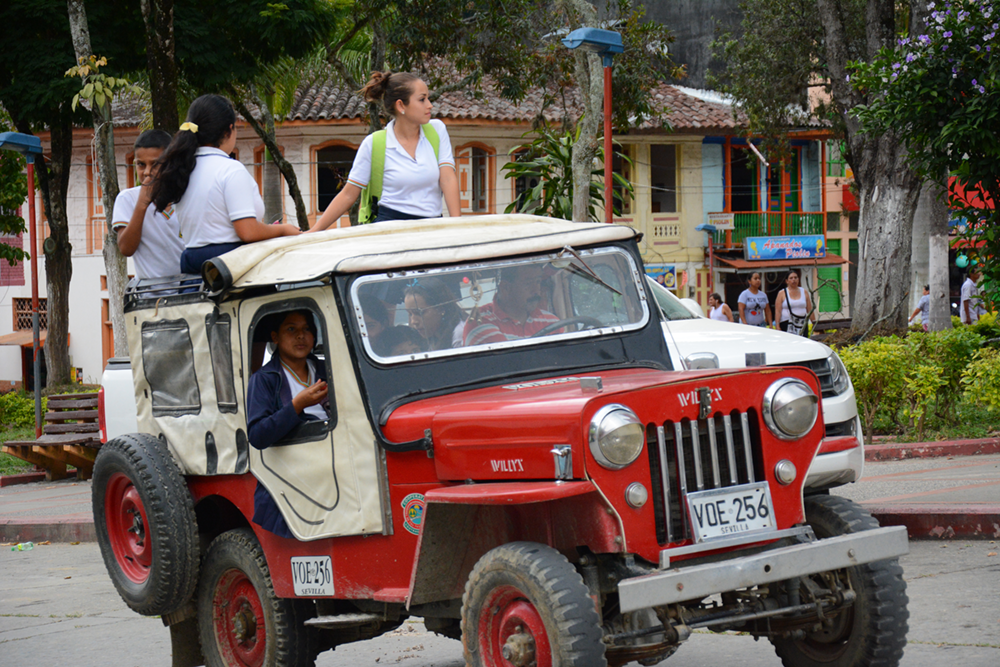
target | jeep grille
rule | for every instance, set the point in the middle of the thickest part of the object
(713, 453)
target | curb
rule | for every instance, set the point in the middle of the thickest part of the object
(921, 450)
(29, 478)
(942, 522)
(26, 530)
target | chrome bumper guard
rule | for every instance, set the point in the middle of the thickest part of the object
(700, 581)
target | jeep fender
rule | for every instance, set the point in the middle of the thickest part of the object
(463, 522)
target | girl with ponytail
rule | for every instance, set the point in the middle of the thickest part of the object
(216, 201)
(415, 176)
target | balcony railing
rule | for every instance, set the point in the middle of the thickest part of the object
(770, 223)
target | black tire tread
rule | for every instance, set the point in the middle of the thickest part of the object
(883, 591)
(293, 645)
(172, 525)
(578, 638)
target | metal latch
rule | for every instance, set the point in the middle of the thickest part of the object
(704, 402)
(563, 456)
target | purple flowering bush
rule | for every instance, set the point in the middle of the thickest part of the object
(941, 90)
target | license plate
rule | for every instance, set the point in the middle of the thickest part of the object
(730, 511)
(312, 575)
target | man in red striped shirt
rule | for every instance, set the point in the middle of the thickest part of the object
(515, 311)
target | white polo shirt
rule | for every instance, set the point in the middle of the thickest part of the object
(409, 185)
(219, 191)
(160, 246)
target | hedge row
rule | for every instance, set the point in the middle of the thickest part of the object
(900, 382)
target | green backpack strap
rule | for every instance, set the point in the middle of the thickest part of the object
(373, 191)
(374, 188)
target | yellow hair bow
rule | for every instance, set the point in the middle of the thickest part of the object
(191, 127)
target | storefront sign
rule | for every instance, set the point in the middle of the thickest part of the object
(722, 221)
(806, 246)
(665, 274)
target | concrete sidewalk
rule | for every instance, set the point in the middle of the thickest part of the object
(943, 495)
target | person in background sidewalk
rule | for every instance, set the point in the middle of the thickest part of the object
(755, 308)
(972, 305)
(923, 307)
(793, 306)
(150, 237)
(718, 310)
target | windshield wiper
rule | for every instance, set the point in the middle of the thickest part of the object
(589, 273)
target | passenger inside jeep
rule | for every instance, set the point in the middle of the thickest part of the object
(286, 392)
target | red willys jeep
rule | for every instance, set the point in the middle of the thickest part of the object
(545, 489)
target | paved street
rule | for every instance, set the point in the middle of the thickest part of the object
(57, 606)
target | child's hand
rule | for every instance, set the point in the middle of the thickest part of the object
(310, 396)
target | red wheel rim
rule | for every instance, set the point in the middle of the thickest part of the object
(509, 619)
(238, 619)
(125, 517)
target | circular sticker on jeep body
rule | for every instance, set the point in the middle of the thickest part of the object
(413, 512)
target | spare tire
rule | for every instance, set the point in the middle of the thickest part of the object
(145, 524)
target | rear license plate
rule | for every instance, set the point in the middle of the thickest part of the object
(312, 575)
(730, 511)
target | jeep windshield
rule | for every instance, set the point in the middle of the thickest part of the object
(482, 307)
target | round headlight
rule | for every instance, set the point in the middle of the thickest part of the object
(616, 436)
(838, 374)
(790, 408)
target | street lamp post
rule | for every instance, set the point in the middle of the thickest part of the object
(30, 146)
(605, 43)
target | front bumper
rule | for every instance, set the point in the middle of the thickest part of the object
(799, 560)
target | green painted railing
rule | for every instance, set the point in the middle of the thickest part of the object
(768, 223)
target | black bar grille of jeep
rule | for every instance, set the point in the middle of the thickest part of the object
(689, 456)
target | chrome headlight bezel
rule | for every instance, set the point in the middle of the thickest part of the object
(603, 425)
(839, 379)
(782, 394)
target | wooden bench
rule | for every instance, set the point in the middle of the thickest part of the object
(70, 436)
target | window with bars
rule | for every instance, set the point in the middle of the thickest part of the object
(22, 314)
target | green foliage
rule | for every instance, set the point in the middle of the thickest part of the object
(98, 89)
(982, 379)
(547, 161)
(13, 192)
(987, 326)
(904, 384)
(18, 409)
(230, 41)
(942, 91)
(878, 371)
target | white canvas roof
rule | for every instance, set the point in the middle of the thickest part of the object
(401, 244)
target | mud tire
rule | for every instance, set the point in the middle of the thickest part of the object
(145, 524)
(236, 595)
(874, 630)
(534, 586)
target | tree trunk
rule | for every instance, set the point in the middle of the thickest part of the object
(888, 187)
(271, 145)
(589, 76)
(940, 312)
(158, 15)
(114, 262)
(53, 178)
(920, 240)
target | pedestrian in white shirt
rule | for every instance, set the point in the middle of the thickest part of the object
(216, 201)
(755, 307)
(413, 179)
(150, 237)
(971, 306)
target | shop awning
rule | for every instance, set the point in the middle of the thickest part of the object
(23, 338)
(770, 264)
